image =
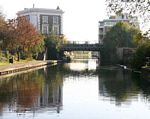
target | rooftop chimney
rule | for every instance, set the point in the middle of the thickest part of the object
(58, 8)
(33, 5)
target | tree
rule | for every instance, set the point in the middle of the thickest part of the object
(53, 45)
(141, 39)
(20, 35)
(36, 49)
(8, 34)
(3, 30)
(11, 38)
(140, 56)
(133, 7)
(6, 37)
(28, 38)
(120, 35)
(143, 51)
(139, 8)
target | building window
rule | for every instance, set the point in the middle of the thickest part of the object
(45, 19)
(107, 29)
(55, 20)
(101, 23)
(45, 29)
(56, 30)
(101, 30)
(101, 36)
(27, 17)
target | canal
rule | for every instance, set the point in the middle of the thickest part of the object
(76, 90)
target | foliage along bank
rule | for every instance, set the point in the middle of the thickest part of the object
(140, 9)
(53, 46)
(20, 39)
(122, 35)
(142, 54)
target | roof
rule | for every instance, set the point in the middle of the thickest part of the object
(39, 10)
(113, 20)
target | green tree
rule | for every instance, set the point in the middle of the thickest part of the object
(142, 52)
(120, 35)
(139, 8)
(141, 39)
(36, 49)
(53, 45)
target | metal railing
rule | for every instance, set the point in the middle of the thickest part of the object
(81, 47)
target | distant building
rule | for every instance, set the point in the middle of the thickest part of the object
(45, 20)
(106, 24)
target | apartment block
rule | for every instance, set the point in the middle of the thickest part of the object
(106, 24)
(45, 20)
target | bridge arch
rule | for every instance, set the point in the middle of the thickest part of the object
(82, 47)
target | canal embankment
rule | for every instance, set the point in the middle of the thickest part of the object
(144, 72)
(14, 68)
(128, 68)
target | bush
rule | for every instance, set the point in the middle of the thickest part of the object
(120, 35)
(139, 59)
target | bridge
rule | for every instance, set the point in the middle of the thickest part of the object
(81, 46)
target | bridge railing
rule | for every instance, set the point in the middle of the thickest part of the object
(81, 47)
(82, 42)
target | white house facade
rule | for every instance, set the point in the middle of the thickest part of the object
(45, 20)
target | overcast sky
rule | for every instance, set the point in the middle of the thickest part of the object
(80, 19)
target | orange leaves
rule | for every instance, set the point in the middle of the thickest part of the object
(27, 34)
(19, 33)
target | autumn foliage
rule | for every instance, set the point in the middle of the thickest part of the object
(27, 35)
(19, 35)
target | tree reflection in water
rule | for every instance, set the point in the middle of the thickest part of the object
(121, 86)
(31, 91)
(42, 90)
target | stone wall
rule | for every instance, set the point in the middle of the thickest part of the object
(125, 53)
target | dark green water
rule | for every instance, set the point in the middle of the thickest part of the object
(75, 91)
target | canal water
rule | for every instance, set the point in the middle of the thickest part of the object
(76, 90)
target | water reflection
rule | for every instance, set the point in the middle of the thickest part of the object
(82, 65)
(117, 85)
(122, 87)
(80, 68)
(32, 91)
(69, 88)
(144, 87)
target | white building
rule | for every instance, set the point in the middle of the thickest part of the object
(106, 24)
(45, 20)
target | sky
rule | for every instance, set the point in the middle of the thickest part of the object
(80, 18)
